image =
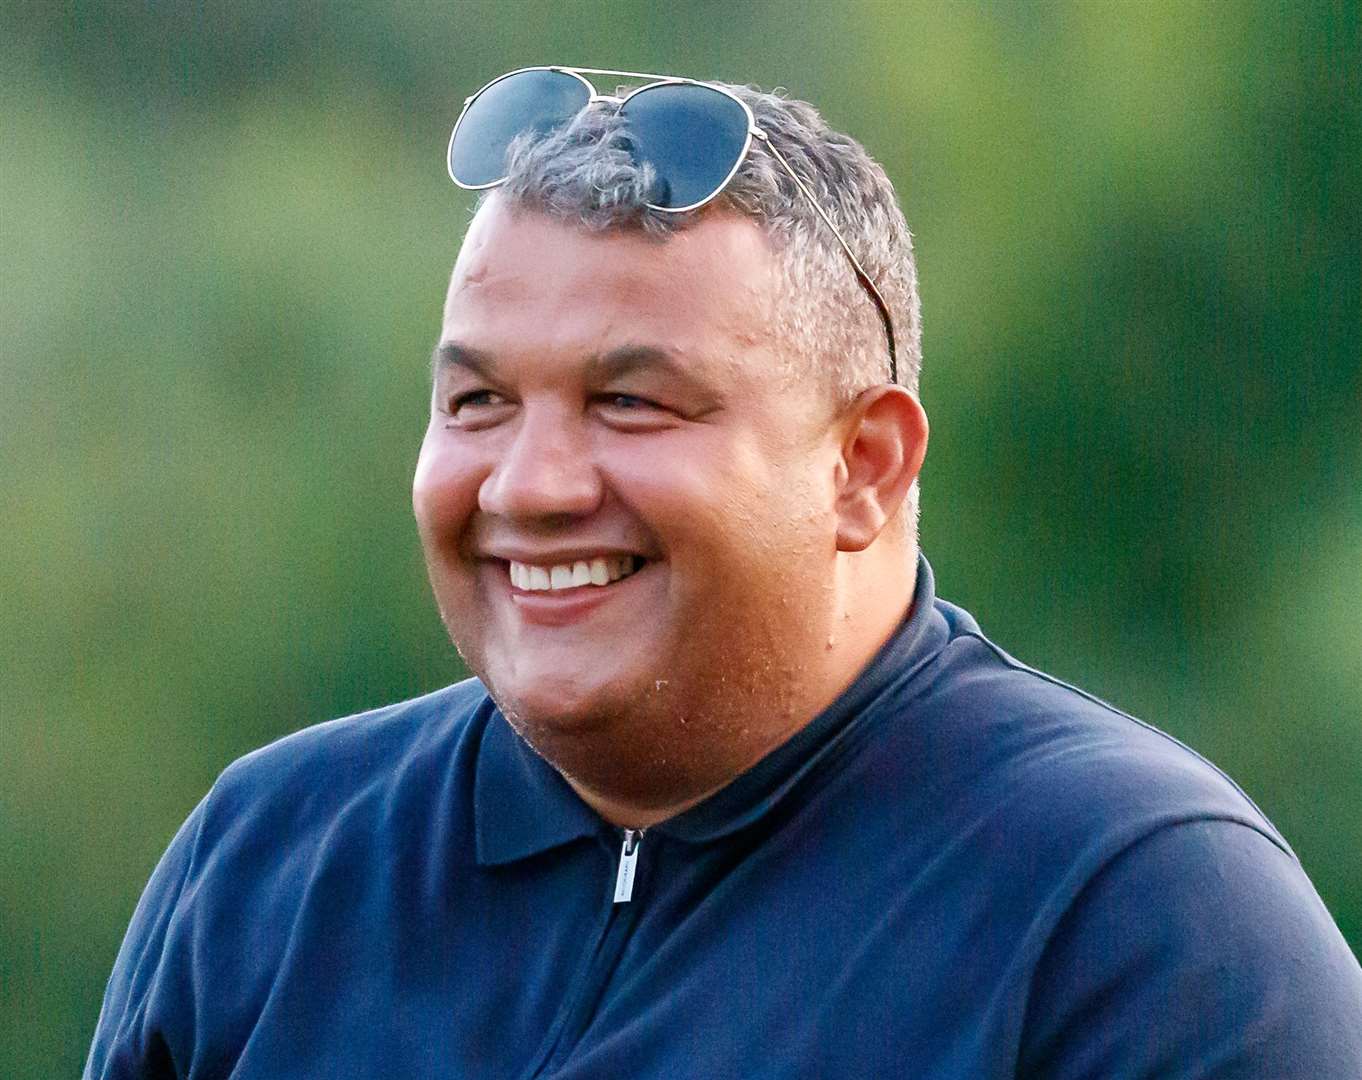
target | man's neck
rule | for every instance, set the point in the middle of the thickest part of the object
(863, 627)
(630, 815)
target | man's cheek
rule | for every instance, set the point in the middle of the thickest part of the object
(443, 500)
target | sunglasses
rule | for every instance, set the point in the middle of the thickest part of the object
(694, 135)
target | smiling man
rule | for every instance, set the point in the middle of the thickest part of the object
(633, 511)
(733, 793)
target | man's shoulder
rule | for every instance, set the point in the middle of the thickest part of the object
(1089, 844)
(334, 761)
(366, 738)
(1062, 763)
(339, 801)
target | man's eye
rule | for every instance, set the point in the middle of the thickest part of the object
(629, 412)
(628, 402)
(473, 399)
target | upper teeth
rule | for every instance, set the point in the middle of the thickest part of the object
(600, 571)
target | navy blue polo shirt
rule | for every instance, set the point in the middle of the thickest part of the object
(962, 868)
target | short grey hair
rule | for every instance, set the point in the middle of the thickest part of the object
(586, 174)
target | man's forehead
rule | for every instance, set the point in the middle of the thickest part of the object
(721, 261)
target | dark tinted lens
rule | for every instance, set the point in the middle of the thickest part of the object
(692, 135)
(537, 101)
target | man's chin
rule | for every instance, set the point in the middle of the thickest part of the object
(551, 709)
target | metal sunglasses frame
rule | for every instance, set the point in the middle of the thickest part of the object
(753, 132)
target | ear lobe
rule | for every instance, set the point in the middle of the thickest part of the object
(881, 456)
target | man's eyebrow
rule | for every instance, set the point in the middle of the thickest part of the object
(630, 358)
(449, 354)
(613, 364)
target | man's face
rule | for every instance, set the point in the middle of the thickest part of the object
(609, 402)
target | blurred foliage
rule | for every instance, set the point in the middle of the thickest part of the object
(225, 231)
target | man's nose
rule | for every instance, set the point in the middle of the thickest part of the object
(546, 471)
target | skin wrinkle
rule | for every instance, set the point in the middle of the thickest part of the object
(649, 704)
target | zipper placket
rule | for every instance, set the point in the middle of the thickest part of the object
(577, 1015)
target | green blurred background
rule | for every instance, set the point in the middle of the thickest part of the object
(226, 232)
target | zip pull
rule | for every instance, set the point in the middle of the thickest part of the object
(624, 879)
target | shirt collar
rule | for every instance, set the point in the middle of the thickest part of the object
(757, 791)
(523, 806)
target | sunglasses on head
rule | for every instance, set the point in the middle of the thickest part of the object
(694, 135)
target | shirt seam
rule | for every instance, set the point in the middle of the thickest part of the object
(1089, 880)
(1014, 664)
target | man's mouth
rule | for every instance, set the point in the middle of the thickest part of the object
(599, 571)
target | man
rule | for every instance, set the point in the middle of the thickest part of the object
(734, 793)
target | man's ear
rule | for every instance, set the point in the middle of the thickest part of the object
(882, 451)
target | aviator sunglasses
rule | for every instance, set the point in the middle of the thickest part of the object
(694, 135)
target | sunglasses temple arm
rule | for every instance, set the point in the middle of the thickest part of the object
(861, 275)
